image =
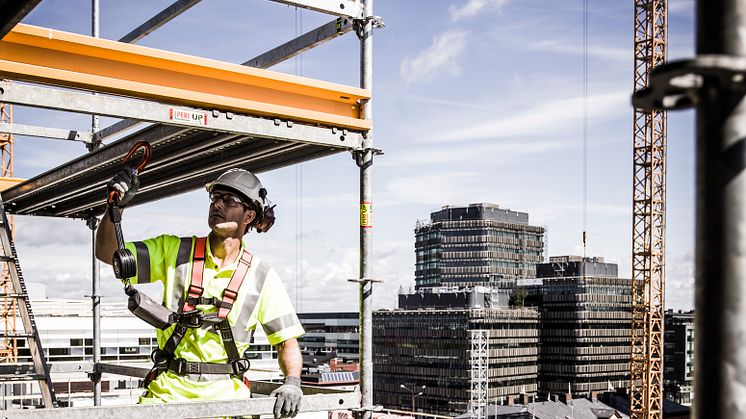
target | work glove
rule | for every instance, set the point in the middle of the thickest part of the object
(126, 184)
(288, 398)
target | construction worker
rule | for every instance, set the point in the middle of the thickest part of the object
(202, 354)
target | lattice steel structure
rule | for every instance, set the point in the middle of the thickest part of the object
(478, 373)
(648, 219)
(8, 308)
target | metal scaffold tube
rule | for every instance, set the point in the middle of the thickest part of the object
(96, 302)
(365, 162)
(721, 228)
(92, 222)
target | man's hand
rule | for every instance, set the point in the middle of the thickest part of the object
(126, 184)
(288, 398)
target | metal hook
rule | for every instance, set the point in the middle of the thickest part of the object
(147, 150)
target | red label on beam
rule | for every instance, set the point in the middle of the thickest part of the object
(189, 117)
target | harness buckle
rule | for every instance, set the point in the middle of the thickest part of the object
(159, 357)
(178, 366)
(240, 366)
(192, 319)
(195, 290)
(183, 367)
(229, 295)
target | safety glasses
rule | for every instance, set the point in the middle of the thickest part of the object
(229, 200)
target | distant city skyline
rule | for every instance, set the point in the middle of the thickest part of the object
(474, 101)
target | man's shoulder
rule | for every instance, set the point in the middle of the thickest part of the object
(259, 263)
(167, 243)
(262, 268)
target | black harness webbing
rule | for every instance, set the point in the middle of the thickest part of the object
(189, 317)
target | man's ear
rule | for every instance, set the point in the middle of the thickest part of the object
(249, 217)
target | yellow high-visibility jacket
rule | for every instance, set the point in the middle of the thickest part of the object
(262, 300)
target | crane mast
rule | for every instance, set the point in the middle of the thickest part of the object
(648, 220)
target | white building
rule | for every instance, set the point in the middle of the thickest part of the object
(66, 331)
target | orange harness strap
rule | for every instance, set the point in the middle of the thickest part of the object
(198, 267)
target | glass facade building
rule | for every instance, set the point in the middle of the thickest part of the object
(330, 333)
(434, 348)
(585, 325)
(678, 357)
(476, 245)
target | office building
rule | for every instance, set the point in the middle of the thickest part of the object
(476, 245)
(335, 333)
(442, 361)
(678, 356)
(585, 324)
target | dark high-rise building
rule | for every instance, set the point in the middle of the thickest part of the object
(476, 245)
(585, 318)
(678, 356)
(445, 360)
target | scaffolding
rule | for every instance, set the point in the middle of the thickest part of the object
(202, 117)
(479, 380)
(8, 307)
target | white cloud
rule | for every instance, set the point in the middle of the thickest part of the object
(604, 52)
(440, 56)
(682, 7)
(432, 188)
(506, 150)
(473, 7)
(325, 287)
(40, 231)
(680, 280)
(546, 118)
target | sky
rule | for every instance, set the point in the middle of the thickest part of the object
(473, 101)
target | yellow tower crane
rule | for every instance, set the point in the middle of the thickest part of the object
(648, 220)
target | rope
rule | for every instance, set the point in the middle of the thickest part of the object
(585, 126)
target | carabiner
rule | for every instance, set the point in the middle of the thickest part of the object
(145, 155)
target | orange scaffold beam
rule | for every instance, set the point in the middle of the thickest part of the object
(42, 55)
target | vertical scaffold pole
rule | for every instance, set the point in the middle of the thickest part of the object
(92, 222)
(366, 205)
(721, 222)
(96, 300)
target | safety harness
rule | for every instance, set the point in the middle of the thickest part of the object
(189, 317)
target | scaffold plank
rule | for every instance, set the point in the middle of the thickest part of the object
(36, 54)
(120, 107)
(183, 159)
(230, 408)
